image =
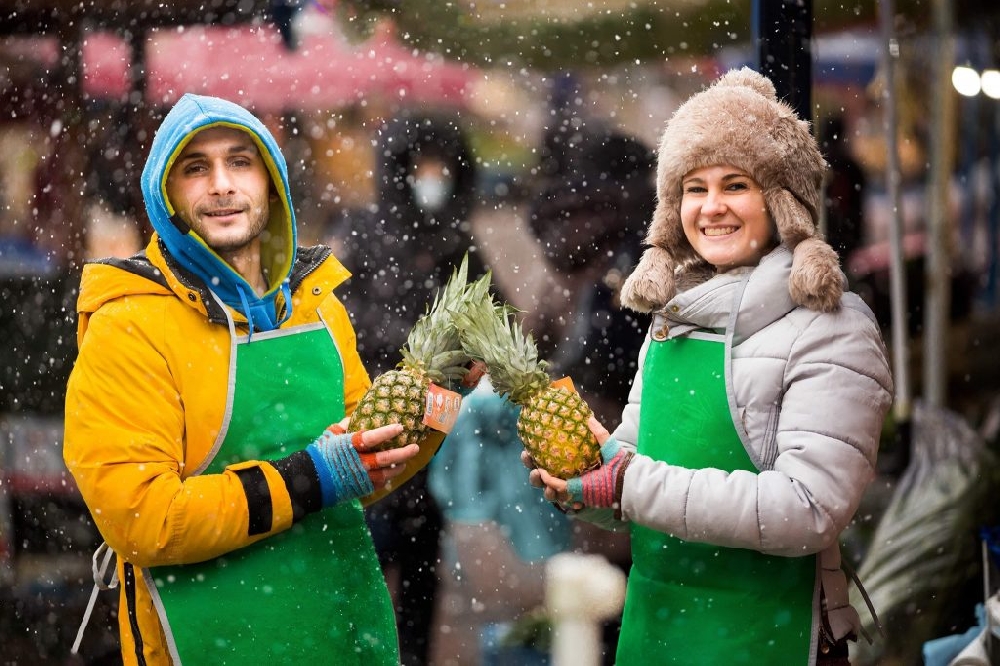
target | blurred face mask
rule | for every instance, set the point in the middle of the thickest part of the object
(432, 183)
(431, 193)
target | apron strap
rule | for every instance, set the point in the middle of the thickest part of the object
(101, 582)
(864, 595)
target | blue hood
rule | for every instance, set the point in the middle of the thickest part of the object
(190, 115)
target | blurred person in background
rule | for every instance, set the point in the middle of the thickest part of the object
(203, 418)
(589, 218)
(754, 420)
(401, 249)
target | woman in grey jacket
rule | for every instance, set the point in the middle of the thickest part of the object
(753, 422)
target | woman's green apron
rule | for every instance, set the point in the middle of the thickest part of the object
(313, 591)
(693, 603)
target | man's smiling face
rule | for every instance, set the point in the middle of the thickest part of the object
(221, 188)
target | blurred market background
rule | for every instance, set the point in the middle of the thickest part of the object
(491, 98)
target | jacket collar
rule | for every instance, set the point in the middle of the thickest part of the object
(741, 302)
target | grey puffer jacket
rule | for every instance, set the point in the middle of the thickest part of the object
(808, 392)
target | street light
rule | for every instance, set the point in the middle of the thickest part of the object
(966, 81)
(969, 83)
(990, 81)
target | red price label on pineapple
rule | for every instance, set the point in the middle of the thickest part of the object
(441, 409)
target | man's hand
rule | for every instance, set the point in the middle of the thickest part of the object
(346, 467)
(382, 466)
(427, 447)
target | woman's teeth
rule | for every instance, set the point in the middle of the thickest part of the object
(719, 231)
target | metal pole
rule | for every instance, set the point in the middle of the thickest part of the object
(937, 274)
(993, 216)
(897, 272)
(137, 112)
(782, 30)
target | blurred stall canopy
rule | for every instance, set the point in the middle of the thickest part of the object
(223, 48)
(250, 65)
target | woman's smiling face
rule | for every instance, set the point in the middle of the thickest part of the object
(725, 218)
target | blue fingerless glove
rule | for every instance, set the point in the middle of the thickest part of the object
(342, 475)
(602, 487)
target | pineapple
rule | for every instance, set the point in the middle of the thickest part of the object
(553, 420)
(433, 353)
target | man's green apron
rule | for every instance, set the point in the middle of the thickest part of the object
(311, 594)
(693, 603)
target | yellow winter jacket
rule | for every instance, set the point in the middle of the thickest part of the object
(146, 401)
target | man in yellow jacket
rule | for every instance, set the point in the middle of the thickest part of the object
(203, 412)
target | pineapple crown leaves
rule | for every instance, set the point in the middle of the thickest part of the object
(491, 333)
(434, 347)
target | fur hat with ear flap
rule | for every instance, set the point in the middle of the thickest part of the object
(738, 121)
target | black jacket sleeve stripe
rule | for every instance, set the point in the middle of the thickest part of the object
(258, 499)
(302, 482)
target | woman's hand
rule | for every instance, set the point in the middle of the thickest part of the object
(555, 489)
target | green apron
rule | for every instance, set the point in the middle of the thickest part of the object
(694, 603)
(311, 594)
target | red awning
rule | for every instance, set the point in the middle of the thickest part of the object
(250, 65)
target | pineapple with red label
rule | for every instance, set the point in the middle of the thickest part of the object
(553, 420)
(433, 353)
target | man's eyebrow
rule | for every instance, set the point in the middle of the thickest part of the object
(235, 149)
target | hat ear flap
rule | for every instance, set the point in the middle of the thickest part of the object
(651, 284)
(816, 281)
(794, 221)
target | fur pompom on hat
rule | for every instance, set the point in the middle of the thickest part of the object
(738, 121)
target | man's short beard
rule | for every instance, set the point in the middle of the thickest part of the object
(260, 224)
